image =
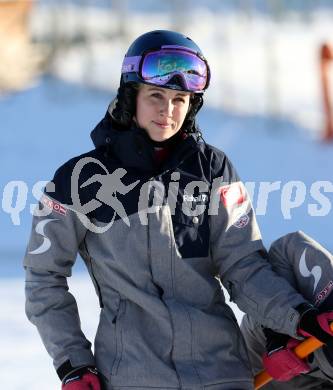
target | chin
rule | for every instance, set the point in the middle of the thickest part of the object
(160, 136)
(163, 137)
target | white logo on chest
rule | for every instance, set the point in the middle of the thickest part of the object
(192, 198)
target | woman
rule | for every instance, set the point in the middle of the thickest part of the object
(158, 216)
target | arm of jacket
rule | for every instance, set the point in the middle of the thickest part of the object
(240, 257)
(50, 255)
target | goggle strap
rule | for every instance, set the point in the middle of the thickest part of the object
(131, 64)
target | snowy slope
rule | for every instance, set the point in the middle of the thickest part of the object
(23, 359)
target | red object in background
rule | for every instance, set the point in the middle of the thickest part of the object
(326, 56)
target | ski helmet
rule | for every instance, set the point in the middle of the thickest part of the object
(166, 59)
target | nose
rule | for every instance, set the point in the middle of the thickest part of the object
(167, 108)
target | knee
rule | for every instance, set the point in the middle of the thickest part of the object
(288, 242)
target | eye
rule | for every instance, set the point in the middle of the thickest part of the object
(156, 95)
(180, 99)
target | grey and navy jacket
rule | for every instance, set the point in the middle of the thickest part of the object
(156, 243)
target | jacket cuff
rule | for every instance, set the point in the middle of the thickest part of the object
(73, 360)
(67, 369)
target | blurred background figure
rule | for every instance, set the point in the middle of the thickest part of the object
(59, 70)
(20, 59)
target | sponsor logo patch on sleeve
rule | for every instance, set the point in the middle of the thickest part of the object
(53, 205)
(242, 221)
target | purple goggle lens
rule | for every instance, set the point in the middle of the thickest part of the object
(159, 67)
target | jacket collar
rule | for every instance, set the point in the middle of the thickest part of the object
(133, 149)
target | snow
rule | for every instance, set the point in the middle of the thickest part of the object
(46, 125)
(23, 359)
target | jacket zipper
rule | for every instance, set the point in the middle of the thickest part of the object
(150, 262)
(148, 233)
(119, 342)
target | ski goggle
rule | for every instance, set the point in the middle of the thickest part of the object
(170, 62)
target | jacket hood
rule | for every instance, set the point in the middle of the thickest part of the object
(103, 131)
(133, 146)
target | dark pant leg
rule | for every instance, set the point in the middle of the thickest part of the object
(309, 269)
(306, 265)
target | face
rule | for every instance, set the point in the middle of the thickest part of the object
(160, 111)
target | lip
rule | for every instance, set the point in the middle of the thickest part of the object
(162, 125)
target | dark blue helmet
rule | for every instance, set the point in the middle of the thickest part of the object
(154, 41)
